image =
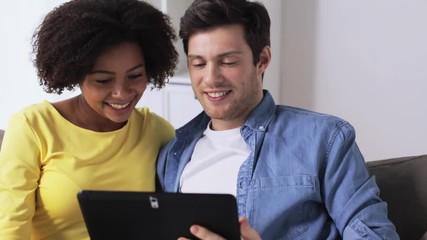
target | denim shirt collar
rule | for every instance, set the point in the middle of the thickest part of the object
(262, 114)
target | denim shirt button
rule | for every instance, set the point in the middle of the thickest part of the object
(261, 128)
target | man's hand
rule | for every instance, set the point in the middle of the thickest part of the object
(245, 230)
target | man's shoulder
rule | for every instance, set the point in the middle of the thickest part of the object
(300, 117)
(291, 111)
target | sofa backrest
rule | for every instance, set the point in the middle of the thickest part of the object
(403, 185)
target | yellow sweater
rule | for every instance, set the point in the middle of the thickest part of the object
(45, 160)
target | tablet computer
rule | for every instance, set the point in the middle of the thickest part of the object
(154, 215)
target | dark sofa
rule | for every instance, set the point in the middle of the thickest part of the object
(403, 185)
(402, 182)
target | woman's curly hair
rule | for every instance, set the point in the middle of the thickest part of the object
(75, 34)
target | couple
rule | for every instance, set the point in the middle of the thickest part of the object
(296, 174)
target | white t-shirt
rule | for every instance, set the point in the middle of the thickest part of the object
(215, 163)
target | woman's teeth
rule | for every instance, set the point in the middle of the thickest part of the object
(119, 106)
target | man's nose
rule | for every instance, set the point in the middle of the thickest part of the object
(213, 74)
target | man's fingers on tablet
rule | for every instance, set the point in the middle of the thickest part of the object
(204, 233)
(248, 233)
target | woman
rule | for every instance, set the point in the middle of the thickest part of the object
(111, 50)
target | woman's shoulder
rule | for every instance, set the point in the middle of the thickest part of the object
(35, 116)
(153, 121)
(37, 110)
(144, 114)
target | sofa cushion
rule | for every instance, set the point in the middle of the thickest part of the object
(403, 185)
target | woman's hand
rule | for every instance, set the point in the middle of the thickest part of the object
(246, 231)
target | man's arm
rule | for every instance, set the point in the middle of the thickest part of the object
(350, 195)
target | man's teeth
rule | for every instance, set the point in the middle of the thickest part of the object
(217, 94)
(119, 106)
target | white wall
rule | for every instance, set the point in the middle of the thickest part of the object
(365, 61)
(19, 85)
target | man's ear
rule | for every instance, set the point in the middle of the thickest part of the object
(264, 60)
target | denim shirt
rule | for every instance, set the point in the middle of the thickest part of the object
(305, 177)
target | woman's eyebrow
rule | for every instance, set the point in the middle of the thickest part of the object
(110, 72)
(137, 66)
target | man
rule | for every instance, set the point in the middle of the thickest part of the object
(296, 174)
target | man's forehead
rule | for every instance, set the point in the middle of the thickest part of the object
(220, 41)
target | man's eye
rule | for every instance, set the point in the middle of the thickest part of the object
(229, 63)
(198, 65)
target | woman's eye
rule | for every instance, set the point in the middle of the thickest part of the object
(135, 76)
(103, 81)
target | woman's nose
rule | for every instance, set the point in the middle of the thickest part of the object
(120, 90)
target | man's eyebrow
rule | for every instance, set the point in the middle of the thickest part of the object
(191, 57)
(194, 56)
(109, 72)
(230, 53)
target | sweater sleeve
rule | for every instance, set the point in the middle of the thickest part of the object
(19, 175)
